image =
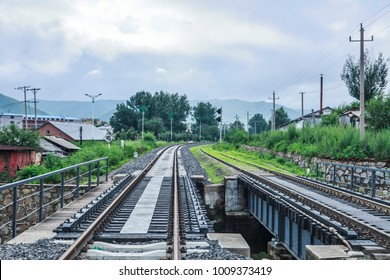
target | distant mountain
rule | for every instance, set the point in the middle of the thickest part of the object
(233, 107)
(104, 109)
(11, 105)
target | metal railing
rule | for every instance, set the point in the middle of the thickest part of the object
(32, 197)
(367, 180)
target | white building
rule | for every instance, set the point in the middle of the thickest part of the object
(7, 119)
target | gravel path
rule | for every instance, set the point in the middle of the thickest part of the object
(46, 249)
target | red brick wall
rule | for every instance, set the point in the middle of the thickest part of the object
(15, 160)
(50, 130)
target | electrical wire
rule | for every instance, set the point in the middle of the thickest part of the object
(332, 50)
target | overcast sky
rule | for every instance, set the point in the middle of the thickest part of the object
(204, 49)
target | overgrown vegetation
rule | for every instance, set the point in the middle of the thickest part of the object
(260, 159)
(116, 154)
(14, 136)
(336, 142)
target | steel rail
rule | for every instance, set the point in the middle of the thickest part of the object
(80, 243)
(361, 227)
(176, 215)
(356, 198)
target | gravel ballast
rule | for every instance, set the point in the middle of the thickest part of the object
(46, 249)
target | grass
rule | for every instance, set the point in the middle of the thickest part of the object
(216, 171)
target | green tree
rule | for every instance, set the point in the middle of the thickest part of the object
(205, 113)
(15, 136)
(281, 117)
(257, 124)
(124, 118)
(378, 113)
(375, 74)
(206, 124)
(158, 110)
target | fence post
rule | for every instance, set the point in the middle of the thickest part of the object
(334, 174)
(40, 200)
(14, 210)
(373, 179)
(317, 171)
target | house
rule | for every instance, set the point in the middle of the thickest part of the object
(350, 117)
(72, 131)
(311, 119)
(56, 146)
(62, 144)
(13, 158)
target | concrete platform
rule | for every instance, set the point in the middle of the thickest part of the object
(234, 242)
(45, 228)
(326, 252)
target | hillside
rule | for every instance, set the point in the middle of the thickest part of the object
(103, 109)
(11, 105)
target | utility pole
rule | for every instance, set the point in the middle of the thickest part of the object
(247, 121)
(273, 110)
(24, 88)
(81, 135)
(93, 97)
(321, 93)
(236, 117)
(302, 93)
(361, 41)
(34, 90)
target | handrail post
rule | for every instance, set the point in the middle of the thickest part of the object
(98, 174)
(40, 200)
(373, 185)
(62, 189)
(89, 176)
(78, 183)
(106, 169)
(14, 210)
(352, 171)
(317, 171)
(334, 174)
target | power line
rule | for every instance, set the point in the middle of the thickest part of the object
(331, 50)
(377, 12)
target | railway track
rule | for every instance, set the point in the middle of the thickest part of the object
(149, 215)
(370, 218)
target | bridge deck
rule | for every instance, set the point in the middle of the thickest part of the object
(382, 222)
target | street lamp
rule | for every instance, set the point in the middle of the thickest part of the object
(142, 108)
(171, 117)
(93, 97)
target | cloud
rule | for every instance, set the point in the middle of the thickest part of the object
(160, 70)
(94, 72)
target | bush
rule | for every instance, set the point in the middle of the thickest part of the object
(150, 138)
